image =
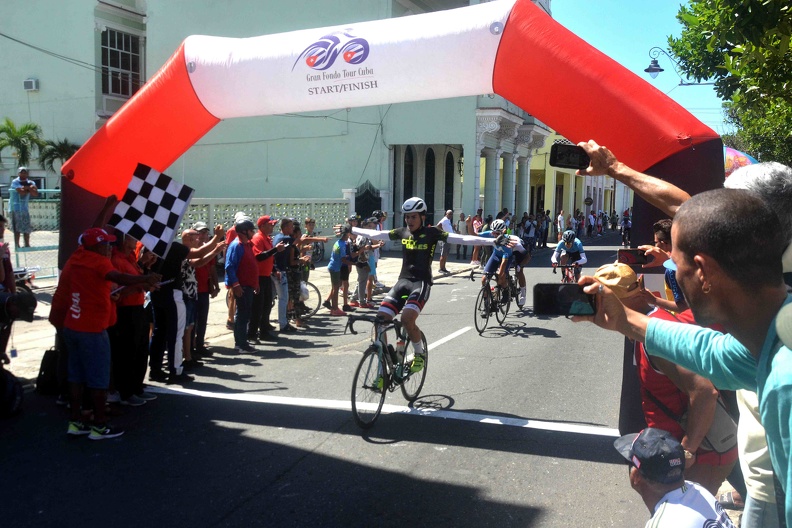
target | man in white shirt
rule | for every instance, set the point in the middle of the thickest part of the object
(445, 225)
(657, 461)
(560, 224)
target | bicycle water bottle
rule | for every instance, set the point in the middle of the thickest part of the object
(401, 345)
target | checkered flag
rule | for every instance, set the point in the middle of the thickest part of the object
(152, 209)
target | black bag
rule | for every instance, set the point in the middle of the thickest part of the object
(11, 394)
(47, 380)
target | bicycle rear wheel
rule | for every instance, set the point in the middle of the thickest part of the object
(411, 386)
(481, 311)
(368, 388)
(313, 302)
(503, 303)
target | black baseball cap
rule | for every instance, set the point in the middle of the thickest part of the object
(657, 455)
(24, 304)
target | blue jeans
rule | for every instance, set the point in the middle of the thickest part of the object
(283, 300)
(759, 514)
(244, 307)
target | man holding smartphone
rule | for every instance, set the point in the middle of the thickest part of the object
(21, 191)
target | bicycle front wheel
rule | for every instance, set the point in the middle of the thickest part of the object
(481, 312)
(313, 302)
(411, 385)
(503, 302)
(368, 388)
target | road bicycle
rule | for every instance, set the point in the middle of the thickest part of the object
(567, 272)
(384, 368)
(303, 309)
(491, 299)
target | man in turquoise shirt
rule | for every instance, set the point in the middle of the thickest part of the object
(727, 249)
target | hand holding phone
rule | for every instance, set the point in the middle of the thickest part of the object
(562, 299)
(568, 156)
(632, 257)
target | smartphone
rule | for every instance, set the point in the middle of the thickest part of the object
(632, 257)
(562, 299)
(568, 156)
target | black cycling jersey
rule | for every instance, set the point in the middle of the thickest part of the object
(418, 250)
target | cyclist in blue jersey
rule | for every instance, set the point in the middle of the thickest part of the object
(570, 252)
(504, 257)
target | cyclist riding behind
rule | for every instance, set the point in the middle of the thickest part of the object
(503, 257)
(571, 252)
(411, 291)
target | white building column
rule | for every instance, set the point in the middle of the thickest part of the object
(349, 196)
(508, 192)
(385, 205)
(523, 186)
(492, 190)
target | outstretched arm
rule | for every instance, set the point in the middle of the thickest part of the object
(373, 234)
(664, 195)
(470, 240)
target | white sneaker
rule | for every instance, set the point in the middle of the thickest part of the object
(521, 299)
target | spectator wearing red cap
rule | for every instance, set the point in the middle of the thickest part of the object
(82, 307)
(260, 328)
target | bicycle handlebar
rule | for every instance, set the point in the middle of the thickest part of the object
(373, 319)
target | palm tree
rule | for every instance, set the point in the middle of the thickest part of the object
(24, 139)
(52, 151)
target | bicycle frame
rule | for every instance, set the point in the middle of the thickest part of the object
(380, 340)
(568, 272)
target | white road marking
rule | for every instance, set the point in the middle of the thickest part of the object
(316, 403)
(448, 338)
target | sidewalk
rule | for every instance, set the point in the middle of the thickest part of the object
(31, 340)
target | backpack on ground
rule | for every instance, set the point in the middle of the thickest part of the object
(47, 380)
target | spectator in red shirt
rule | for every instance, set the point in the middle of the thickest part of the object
(82, 307)
(260, 328)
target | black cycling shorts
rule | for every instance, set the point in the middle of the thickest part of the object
(405, 294)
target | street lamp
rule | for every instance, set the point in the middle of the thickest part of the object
(654, 68)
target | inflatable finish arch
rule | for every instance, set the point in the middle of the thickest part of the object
(509, 47)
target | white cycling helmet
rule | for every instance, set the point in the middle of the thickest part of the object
(414, 205)
(498, 225)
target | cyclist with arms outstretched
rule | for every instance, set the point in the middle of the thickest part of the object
(411, 291)
(571, 252)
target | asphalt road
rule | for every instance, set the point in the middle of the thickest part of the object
(514, 428)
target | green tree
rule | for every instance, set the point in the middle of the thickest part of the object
(56, 151)
(742, 44)
(765, 134)
(24, 140)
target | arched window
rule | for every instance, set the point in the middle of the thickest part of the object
(429, 185)
(448, 191)
(409, 172)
